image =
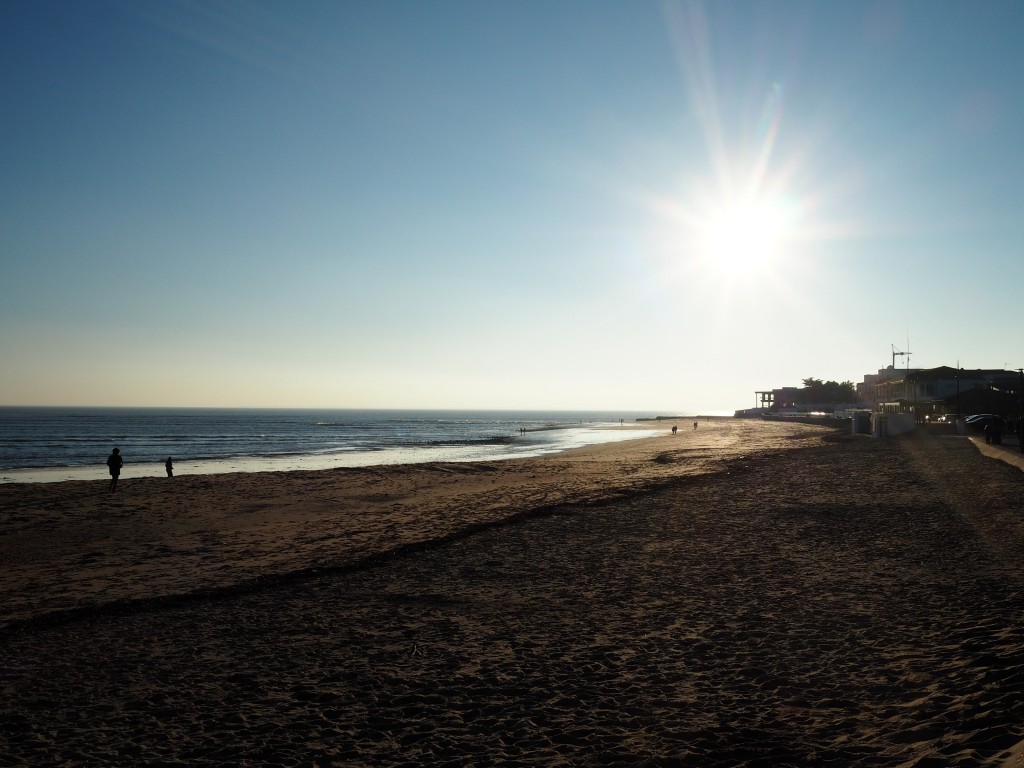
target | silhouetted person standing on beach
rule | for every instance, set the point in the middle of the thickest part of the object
(169, 467)
(114, 463)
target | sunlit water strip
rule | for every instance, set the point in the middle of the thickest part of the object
(531, 444)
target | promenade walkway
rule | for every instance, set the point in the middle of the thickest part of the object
(1009, 451)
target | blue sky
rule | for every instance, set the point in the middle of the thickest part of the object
(594, 205)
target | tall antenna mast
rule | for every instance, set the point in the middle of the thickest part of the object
(896, 352)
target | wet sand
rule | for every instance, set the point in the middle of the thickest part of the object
(750, 594)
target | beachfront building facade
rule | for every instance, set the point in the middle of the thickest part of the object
(811, 400)
(867, 390)
(922, 394)
(932, 392)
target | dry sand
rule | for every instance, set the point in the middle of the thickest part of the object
(747, 594)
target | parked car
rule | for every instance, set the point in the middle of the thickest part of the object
(985, 420)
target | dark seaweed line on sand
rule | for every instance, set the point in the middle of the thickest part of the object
(130, 606)
(250, 586)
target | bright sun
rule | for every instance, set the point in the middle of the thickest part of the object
(745, 236)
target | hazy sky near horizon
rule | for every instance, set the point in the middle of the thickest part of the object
(536, 204)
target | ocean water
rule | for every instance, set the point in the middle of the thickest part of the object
(48, 444)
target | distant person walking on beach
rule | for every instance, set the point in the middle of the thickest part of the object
(695, 425)
(674, 429)
(114, 464)
(169, 466)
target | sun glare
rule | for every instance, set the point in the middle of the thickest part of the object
(744, 236)
(738, 226)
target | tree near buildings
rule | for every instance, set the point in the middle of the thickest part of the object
(818, 391)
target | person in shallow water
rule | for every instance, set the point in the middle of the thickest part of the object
(169, 466)
(114, 464)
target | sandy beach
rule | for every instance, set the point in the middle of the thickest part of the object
(746, 594)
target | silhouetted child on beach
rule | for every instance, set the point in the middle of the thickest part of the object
(169, 466)
(114, 463)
